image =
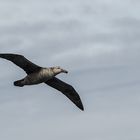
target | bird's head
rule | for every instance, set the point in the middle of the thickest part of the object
(57, 70)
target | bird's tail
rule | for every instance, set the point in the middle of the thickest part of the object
(19, 83)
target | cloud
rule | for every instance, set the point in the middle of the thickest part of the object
(98, 42)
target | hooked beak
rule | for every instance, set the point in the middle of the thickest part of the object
(64, 71)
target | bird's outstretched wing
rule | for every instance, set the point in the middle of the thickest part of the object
(67, 90)
(22, 62)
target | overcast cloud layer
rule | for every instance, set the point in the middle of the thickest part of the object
(98, 41)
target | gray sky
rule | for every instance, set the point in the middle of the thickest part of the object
(98, 42)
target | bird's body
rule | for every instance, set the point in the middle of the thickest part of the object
(37, 75)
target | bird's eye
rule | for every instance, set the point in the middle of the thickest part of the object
(58, 67)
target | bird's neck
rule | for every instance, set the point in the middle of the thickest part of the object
(47, 72)
(50, 72)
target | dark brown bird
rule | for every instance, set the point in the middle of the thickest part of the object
(37, 75)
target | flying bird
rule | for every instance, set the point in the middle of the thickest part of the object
(36, 75)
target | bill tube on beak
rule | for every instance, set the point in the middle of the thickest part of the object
(64, 71)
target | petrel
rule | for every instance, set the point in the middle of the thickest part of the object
(36, 75)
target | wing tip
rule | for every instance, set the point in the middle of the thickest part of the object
(80, 105)
(82, 108)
